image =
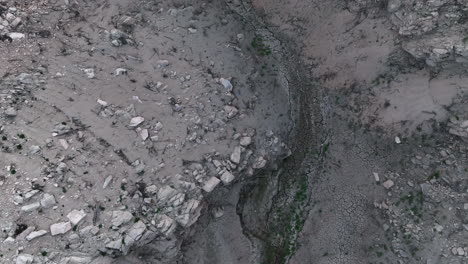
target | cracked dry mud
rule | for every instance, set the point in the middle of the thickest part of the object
(146, 131)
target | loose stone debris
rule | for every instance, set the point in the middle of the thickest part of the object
(112, 136)
(388, 184)
(60, 228)
(36, 234)
(226, 84)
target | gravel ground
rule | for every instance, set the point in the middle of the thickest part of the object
(238, 132)
(120, 117)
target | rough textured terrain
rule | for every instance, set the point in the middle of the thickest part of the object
(119, 117)
(391, 185)
(233, 131)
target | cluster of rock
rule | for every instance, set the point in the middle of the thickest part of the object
(69, 196)
(458, 121)
(427, 204)
(10, 22)
(458, 127)
(432, 31)
(162, 207)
